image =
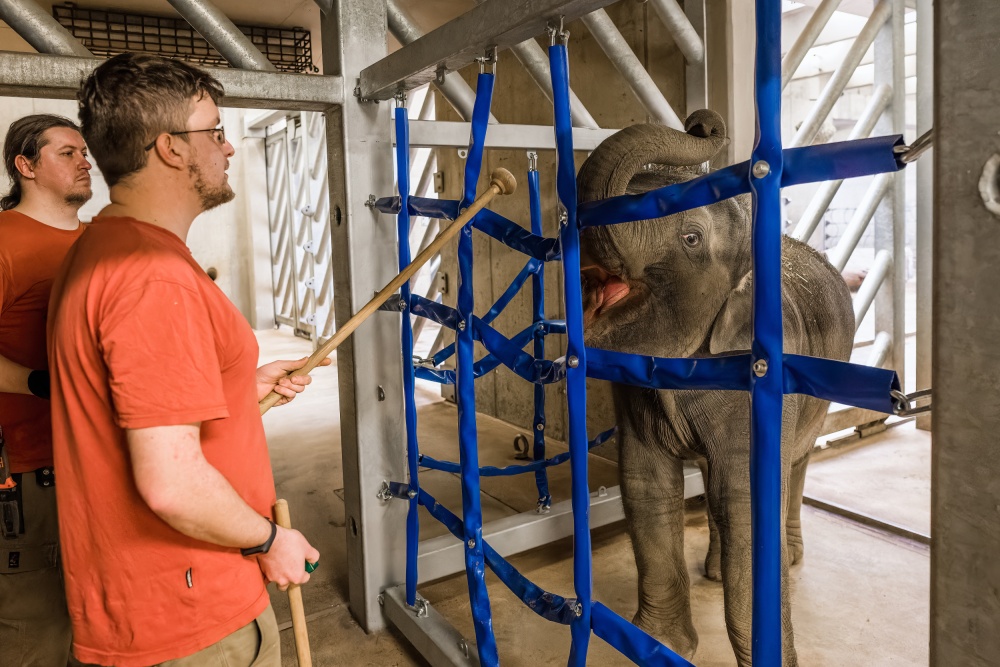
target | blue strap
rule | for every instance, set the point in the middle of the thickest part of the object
(444, 315)
(632, 642)
(840, 382)
(510, 354)
(845, 159)
(516, 237)
(727, 372)
(538, 317)
(547, 605)
(529, 270)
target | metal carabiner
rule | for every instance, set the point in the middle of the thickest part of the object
(902, 404)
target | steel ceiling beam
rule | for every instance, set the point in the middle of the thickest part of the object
(498, 23)
(40, 30)
(222, 34)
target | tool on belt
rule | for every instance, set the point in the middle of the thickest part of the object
(11, 522)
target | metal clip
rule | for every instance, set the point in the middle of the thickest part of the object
(532, 161)
(400, 97)
(559, 33)
(489, 57)
(902, 404)
(521, 448)
(421, 607)
(384, 494)
(907, 154)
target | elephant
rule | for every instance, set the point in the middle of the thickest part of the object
(680, 286)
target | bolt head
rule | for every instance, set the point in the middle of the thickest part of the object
(411, 493)
(573, 362)
(461, 325)
(760, 368)
(472, 544)
(402, 304)
(761, 169)
(381, 600)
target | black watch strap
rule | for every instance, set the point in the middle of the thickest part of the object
(262, 548)
(38, 384)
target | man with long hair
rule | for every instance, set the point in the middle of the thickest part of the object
(165, 489)
(46, 160)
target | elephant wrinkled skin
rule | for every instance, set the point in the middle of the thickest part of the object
(680, 286)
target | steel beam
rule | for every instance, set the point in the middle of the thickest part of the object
(442, 556)
(499, 23)
(859, 221)
(440, 644)
(696, 74)
(685, 35)
(222, 34)
(925, 201)
(58, 77)
(448, 134)
(870, 286)
(625, 61)
(364, 245)
(965, 467)
(40, 29)
(806, 39)
(844, 418)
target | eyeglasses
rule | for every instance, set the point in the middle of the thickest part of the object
(218, 133)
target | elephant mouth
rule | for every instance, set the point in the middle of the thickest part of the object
(602, 290)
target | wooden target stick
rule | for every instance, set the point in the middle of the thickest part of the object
(302, 652)
(502, 182)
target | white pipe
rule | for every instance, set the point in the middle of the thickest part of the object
(859, 222)
(806, 39)
(620, 53)
(870, 286)
(880, 350)
(685, 36)
(223, 35)
(835, 86)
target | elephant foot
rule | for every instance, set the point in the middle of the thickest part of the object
(713, 565)
(677, 635)
(796, 549)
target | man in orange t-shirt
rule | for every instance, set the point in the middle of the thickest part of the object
(46, 160)
(165, 481)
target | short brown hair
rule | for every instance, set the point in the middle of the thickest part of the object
(26, 136)
(130, 100)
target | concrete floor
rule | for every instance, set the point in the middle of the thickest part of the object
(860, 597)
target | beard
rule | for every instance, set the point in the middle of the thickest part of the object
(210, 195)
(79, 197)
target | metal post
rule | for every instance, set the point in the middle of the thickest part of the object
(869, 288)
(965, 572)
(625, 61)
(890, 220)
(696, 74)
(364, 246)
(41, 30)
(806, 39)
(222, 34)
(925, 200)
(835, 86)
(684, 33)
(859, 221)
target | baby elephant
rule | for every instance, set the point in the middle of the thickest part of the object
(680, 286)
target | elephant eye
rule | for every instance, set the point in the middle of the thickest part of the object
(692, 239)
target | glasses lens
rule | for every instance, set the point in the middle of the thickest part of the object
(220, 135)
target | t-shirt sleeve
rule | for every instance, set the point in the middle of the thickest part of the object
(160, 353)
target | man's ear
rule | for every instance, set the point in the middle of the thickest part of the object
(24, 167)
(172, 151)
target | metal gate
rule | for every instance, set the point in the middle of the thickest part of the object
(298, 209)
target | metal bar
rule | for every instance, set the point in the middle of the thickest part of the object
(448, 134)
(364, 260)
(325, 6)
(890, 217)
(696, 74)
(625, 61)
(806, 39)
(685, 36)
(835, 86)
(440, 644)
(866, 520)
(844, 418)
(499, 23)
(870, 286)
(859, 221)
(222, 34)
(925, 201)
(40, 29)
(452, 86)
(58, 77)
(878, 103)
(880, 350)
(443, 556)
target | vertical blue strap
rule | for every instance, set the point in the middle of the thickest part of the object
(767, 392)
(538, 316)
(472, 513)
(410, 407)
(576, 378)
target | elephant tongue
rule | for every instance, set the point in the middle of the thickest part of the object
(615, 289)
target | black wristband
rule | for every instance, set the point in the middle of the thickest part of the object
(262, 548)
(38, 383)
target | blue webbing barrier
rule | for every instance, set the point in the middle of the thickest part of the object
(842, 382)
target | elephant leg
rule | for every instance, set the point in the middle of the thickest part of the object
(713, 560)
(793, 525)
(652, 485)
(729, 500)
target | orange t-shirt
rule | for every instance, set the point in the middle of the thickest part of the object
(140, 336)
(30, 255)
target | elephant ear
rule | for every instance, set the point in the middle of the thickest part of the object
(733, 328)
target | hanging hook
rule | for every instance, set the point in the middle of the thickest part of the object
(557, 33)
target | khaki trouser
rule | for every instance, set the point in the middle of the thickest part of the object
(34, 622)
(256, 644)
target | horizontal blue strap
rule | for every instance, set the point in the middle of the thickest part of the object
(632, 642)
(484, 365)
(444, 315)
(728, 372)
(516, 237)
(838, 381)
(810, 164)
(426, 207)
(547, 605)
(517, 469)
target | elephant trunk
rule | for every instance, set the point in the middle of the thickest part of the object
(608, 170)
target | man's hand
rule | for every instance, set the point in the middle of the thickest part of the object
(275, 377)
(285, 562)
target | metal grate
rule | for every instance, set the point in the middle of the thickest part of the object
(110, 32)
